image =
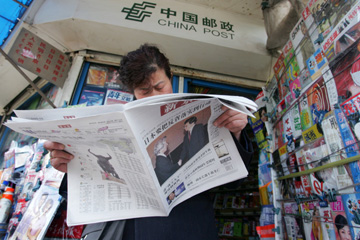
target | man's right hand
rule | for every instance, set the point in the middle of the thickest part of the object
(58, 157)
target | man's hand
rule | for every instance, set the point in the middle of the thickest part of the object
(58, 157)
(232, 120)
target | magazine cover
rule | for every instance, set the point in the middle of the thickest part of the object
(321, 13)
(305, 179)
(258, 123)
(351, 147)
(264, 172)
(279, 67)
(302, 43)
(287, 188)
(315, 155)
(97, 75)
(289, 99)
(346, 72)
(341, 227)
(281, 108)
(278, 135)
(299, 188)
(295, 113)
(293, 224)
(305, 80)
(113, 78)
(295, 88)
(318, 101)
(289, 131)
(272, 93)
(279, 71)
(310, 215)
(114, 96)
(346, 31)
(293, 167)
(39, 214)
(327, 225)
(292, 68)
(311, 24)
(316, 63)
(351, 110)
(351, 204)
(330, 86)
(305, 114)
(335, 147)
(348, 139)
(92, 96)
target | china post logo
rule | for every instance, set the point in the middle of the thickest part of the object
(137, 11)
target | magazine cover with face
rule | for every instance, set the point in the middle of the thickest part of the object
(39, 214)
(352, 209)
(310, 216)
(341, 227)
(346, 71)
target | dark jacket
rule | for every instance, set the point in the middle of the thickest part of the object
(164, 168)
(197, 141)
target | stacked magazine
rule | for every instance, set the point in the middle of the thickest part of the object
(118, 149)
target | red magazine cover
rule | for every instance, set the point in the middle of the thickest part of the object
(346, 72)
(318, 100)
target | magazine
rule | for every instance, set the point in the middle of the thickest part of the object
(305, 179)
(97, 75)
(336, 149)
(305, 113)
(39, 215)
(327, 224)
(315, 153)
(339, 218)
(114, 96)
(312, 225)
(302, 43)
(318, 101)
(293, 224)
(316, 63)
(117, 148)
(344, 34)
(92, 96)
(351, 146)
(352, 210)
(345, 70)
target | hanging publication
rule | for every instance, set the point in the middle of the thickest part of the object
(129, 159)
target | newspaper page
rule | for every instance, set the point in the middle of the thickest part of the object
(114, 174)
(107, 179)
(208, 159)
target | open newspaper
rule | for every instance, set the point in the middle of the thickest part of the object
(137, 159)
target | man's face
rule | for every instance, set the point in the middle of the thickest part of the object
(188, 126)
(158, 84)
(164, 149)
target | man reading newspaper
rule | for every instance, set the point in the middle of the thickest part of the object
(146, 72)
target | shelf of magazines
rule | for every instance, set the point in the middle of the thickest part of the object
(237, 210)
(308, 127)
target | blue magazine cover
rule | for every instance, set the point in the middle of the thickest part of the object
(350, 145)
(352, 209)
(92, 96)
